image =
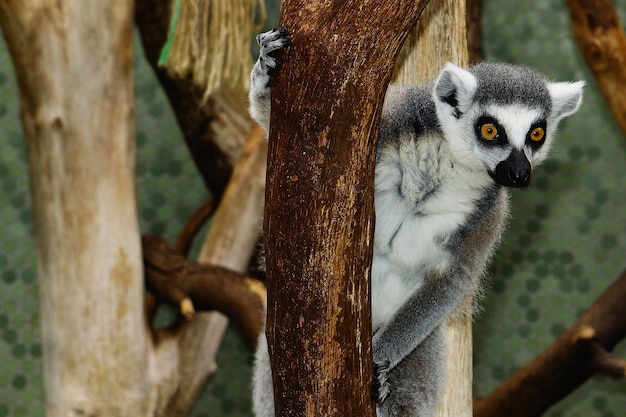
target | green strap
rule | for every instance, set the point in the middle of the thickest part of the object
(170, 36)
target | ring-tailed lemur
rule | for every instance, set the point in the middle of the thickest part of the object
(445, 153)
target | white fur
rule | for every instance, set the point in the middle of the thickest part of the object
(516, 121)
(406, 245)
(566, 98)
(456, 78)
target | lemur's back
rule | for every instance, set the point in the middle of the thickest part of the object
(395, 118)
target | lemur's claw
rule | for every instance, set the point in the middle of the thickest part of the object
(284, 33)
(271, 41)
(380, 383)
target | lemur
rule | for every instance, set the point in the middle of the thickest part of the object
(447, 152)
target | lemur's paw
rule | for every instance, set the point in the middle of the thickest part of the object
(380, 384)
(271, 41)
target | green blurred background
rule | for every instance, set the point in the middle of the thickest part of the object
(564, 245)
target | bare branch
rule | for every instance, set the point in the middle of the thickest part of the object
(215, 129)
(200, 287)
(601, 39)
(229, 243)
(193, 225)
(603, 361)
(475, 30)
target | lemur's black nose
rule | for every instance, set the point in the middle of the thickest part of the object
(519, 176)
(513, 171)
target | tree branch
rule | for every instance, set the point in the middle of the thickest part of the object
(229, 243)
(474, 26)
(601, 39)
(579, 353)
(74, 67)
(193, 225)
(603, 361)
(200, 287)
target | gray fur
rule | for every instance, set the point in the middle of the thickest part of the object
(506, 85)
(440, 209)
(411, 109)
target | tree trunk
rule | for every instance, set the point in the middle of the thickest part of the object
(443, 23)
(326, 102)
(74, 63)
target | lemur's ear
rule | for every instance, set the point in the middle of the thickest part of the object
(566, 98)
(455, 88)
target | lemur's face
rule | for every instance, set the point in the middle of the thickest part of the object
(508, 141)
(502, 118)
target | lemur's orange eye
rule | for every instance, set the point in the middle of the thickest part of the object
(537, 134)
(488, 131)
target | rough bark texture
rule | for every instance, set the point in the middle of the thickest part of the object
(474, 24)
(443, 23)
(73, 60)
(319, 214)
(572, 359)
(600, 36)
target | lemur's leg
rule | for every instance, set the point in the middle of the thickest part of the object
(415, 384)
(413, 323)
(262, 386)
(259, 96)
(271, 41)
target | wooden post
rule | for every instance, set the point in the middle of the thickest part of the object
(443, 23)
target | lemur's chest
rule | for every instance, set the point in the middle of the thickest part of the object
(422, 199)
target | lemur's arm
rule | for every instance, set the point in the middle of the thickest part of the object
(440, 294)
(417, 318)
(415, 321)
(260, 76)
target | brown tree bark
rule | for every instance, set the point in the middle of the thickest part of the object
(326, 103)
(474, 25)
(579, 353)
(601, 39)
(195, 287)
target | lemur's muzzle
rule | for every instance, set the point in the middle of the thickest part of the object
(513, 171)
